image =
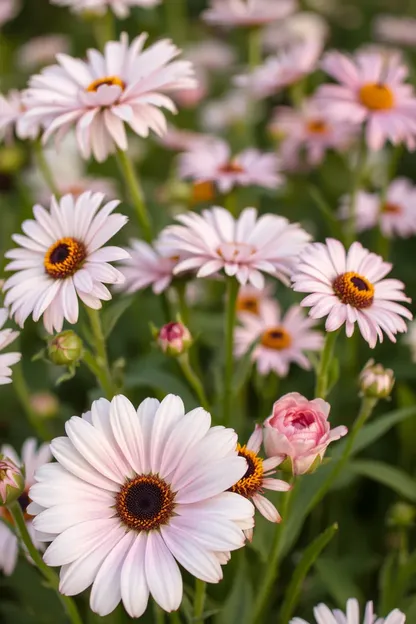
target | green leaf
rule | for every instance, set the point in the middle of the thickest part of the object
(239, 604)
(387, 583)
(309, 557)
(112, 313)
(390, 476)
(146, 374)
(338, 580)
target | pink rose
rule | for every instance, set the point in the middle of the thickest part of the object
(298, 429)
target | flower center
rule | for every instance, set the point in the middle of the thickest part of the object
(354, 289)
(64, 258)
(235, 252)
(202, 192)
(301, 420)
(252, 481)
(276, 338)
(376, 96)
(107, 80)
(248, 304)
(231, 167)
(391, 208)
(316, 126)
(145, 503)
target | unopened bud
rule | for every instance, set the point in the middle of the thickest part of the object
(401, 515)
(12, 481)
(65, 348)
(44, 404)
(376, 381)
(174, 339)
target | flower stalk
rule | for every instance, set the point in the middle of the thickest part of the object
(136, 193)
(199, 602)
(193, 380)
(322, 380)
(45, 169)
(99, 365)
(230, 320)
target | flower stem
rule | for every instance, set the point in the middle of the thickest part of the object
(183, 306)
(356, 180)
(50, 576)
(136, 192)
(254, 47)
(23, 394)
(45, 169)
(193, 380)
(176, 20)
(100, 366)
(230, 319)
(321, 388)
(104, 28)
(199, 602)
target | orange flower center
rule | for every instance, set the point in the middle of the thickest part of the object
(64, 258)
(231, 167)
(391, 208)
(248, 303)
(107, 80)
(145, 503)
(252, 481)
(317, 126)
(202, 192)
(376, 97)
(354, 289)
(276, 338)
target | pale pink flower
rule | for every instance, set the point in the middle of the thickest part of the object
(174, 338)
(97, 96)
(349, 287)
(12, 110)
(8, 10)
(376, 381)
(282, 340)
(214, 162)
(245, 247)
(297, 28)
(247, 12)
(251, 299)
(190, 98)
(298, 430)
(148, 265)
(372, 91)
(180, 140)
(7, 336)
(41, 50)
(324, 615)
(31, 459)
(134, 493)
(399, 30)
(62, 257)
(231, 110)
(121, 8)
(211, 55)
(11, 480)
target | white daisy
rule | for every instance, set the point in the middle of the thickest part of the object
(324, 615)
(147, 266)
(121, 8)
(7, 336)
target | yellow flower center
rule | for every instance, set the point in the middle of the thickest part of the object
(248, 303)
(107, 80)
(354, 289)
(376, 97)
(145, 503)
(317, 126)
(202, 192)
(64, 258)
(252, 481)
(391, 208)
(276, 338)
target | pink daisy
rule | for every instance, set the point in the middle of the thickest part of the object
(147, 266)
(251, 299)
(231, 110)
(399, 30)
(12, 110)
(281, 340)
(301, 26)
(215, 163)
(121, 8)
(180, 140)
(372, 91)
(245, 247)
(41, 50)
(349, 288)
(247, 12)
(125, 84)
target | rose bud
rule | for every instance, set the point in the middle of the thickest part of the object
(12, 481)
(376, 381)
(174, 339)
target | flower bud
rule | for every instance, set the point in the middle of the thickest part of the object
(65, 348)
(376, 381)
(44, 404)
(401, 515)
(174, 339)
(12, 481)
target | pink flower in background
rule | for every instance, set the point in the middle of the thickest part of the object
(211, 55)
(180, 140)
(399, 30)
(7, 336)
(251, 299)
(97, 96)
(190, 98)
(299, 430)
(324, 615)
(215, 163)
(8, 10)
(372, 91)
(148, 265)
(41, 50)
(349, 287)
(282, 340)
(121, 8)
(297, 28)
(247, 12)
(245, 247)
(231, 110)
(12, 110)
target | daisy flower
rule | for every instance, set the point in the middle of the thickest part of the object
(121, 8)
(180, 140)
(372, 91)
(244, 247)
(8, 10)
(12, 121)
(232, 109)
(147, 266)
(41, 50)
(247, 13)
(282, 340)
(349, 287)
(7, 336)
(251, 299)
(134, 493)
(62, 257)
(297, 28)
(324, 615)
(31, 459)
(125, 84)
(398, 30)
(211, 55)
(214, 162)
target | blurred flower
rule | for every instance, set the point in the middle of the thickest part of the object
(349, 288)
(400, 30)
(121, 8)
(41, 50)
(247, 12)
(12, 481)
(148, 489)
(44, 404)
(282, 340)
(148, 265)
(232, 109)
(396, 216)
(280, 71)
(401, 515)
(244, 247)
(65, 348)
(62, 258)
(7, 336)
(410, 340)
(194, 95)
(214, 163)
(307, 130)
(174, 338)
(251, 299)
(8, 10)
(126, 84)
(372, 91)
(300, 27)
(323, 614)
(182, 140)
(211, 55)
(298, 430)
(376, 381)
(12, 110)
(32, 458)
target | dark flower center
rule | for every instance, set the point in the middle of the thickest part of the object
(145, 503)
(64, 258)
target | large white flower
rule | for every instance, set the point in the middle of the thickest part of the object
(125, 84)
(132, 494)
(62, 258)
(121, 8)
(7, 336)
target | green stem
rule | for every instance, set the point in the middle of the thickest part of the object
(321, 388)
(175, 617)
(176, 20)
(193, 380)
(23, 394)
(45, 169)
(230, 202)
(104, 28)
(165, 303)
(254, 47)
(230, 319)
(356, 181)
(183, 306)
(158, 613)
(199, 602)
(101, 364)
(136, 192)
(50, 576)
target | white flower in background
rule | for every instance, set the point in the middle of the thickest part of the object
(324, 615)
(8, 10)
(396, 29)
(12, 110)
(126, 84)
(147, 266)
(233, 109)
(31, 459)
(121, 8)
(180, 140)
(233, 13)
(7, 336)
(62, 257)
(211, 55)
(134, 493)
(41, 51)
(300, 27)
